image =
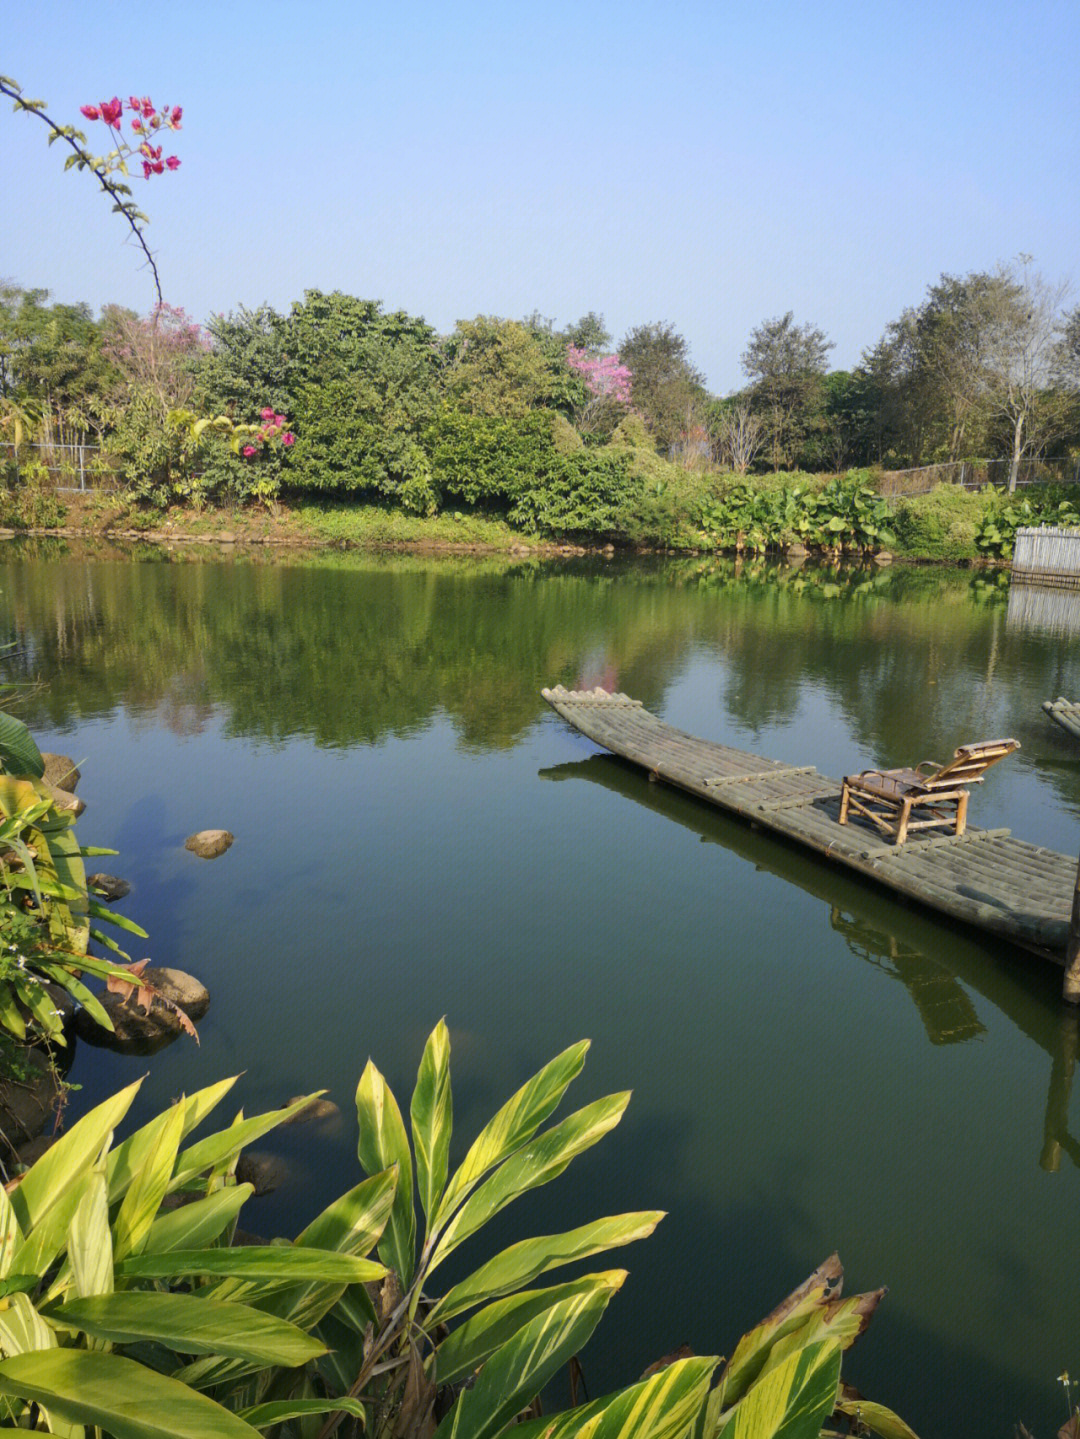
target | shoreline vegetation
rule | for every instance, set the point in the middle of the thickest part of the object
(339, 421)
(944, 525)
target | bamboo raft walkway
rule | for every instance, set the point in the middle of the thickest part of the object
(985, 877)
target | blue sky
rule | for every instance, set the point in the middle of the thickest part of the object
(711, 165)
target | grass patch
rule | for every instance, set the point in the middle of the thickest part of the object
(359, 524)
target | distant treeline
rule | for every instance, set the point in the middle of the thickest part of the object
(557, 430)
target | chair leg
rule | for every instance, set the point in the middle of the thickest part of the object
(845, 800)
(905, 815)
(961, 813)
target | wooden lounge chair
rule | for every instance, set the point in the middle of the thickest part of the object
(889, 797)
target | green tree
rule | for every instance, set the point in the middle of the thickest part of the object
(786, 366)
(666, 389)
(506, 368)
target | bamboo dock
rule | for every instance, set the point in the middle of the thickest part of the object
(986, 878)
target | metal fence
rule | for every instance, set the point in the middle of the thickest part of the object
(69, 469)
(977, 474)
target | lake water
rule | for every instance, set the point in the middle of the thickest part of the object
(814, 1065)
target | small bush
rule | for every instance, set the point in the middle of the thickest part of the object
(31, 507)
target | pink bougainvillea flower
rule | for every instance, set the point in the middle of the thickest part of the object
(90, 111)
(266, 414)
(134, 103)
(288, 438)
(249, 450)
(111, 111)
(155, 122)
(147, 169)
(175, 117)
(158, 168)
(137, 127)
(173, 163)
(280, 421)
(147, 107)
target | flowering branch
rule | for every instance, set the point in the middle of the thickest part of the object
(103, 168)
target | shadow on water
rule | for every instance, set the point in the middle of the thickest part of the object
(894, 940)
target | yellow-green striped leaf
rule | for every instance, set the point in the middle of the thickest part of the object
(522, 1262)
(538, 1162)
(197, 1224)
(384, 1143)
(218, 1149)
(877, 1418)
(66, 1164)
(791, 1401)
(90, 1247)
(281, 1262)
(840, 1320)
(127, 1400)
(10, 1234)
(22, 1329)
(263, 1416)
(149, 1185)
(516, 1373)
(129, 1157)
(516, 1122)
(664, 1406)
(431, 1113)
(189, 1325)
(467, 1346)
(752, 1351)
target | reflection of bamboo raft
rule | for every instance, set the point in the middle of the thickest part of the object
(985, 878)
(1064, 713)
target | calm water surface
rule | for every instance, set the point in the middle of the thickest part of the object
(814, 1066)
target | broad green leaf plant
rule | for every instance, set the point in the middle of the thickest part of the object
(47, 915)
(122, 1316)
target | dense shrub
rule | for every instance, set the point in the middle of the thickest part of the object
(587, 493)
(940, 525)
(30, 507)
(487, 460)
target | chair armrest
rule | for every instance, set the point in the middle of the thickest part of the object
(931, 762)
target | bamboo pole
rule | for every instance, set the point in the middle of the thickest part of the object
(1070, 989)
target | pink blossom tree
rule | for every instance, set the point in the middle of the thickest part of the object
(607, 383)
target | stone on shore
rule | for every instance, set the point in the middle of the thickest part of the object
(209, 843)
(28, 1102)
(61, 770)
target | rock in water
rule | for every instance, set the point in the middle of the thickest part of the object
(62, 771)
(209, 843)
(266, 1172)
(317, 1109)
(185, 991)
(140, 1031)
(107, 886)
(64, 799)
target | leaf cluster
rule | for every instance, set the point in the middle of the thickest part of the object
(115, 1310)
